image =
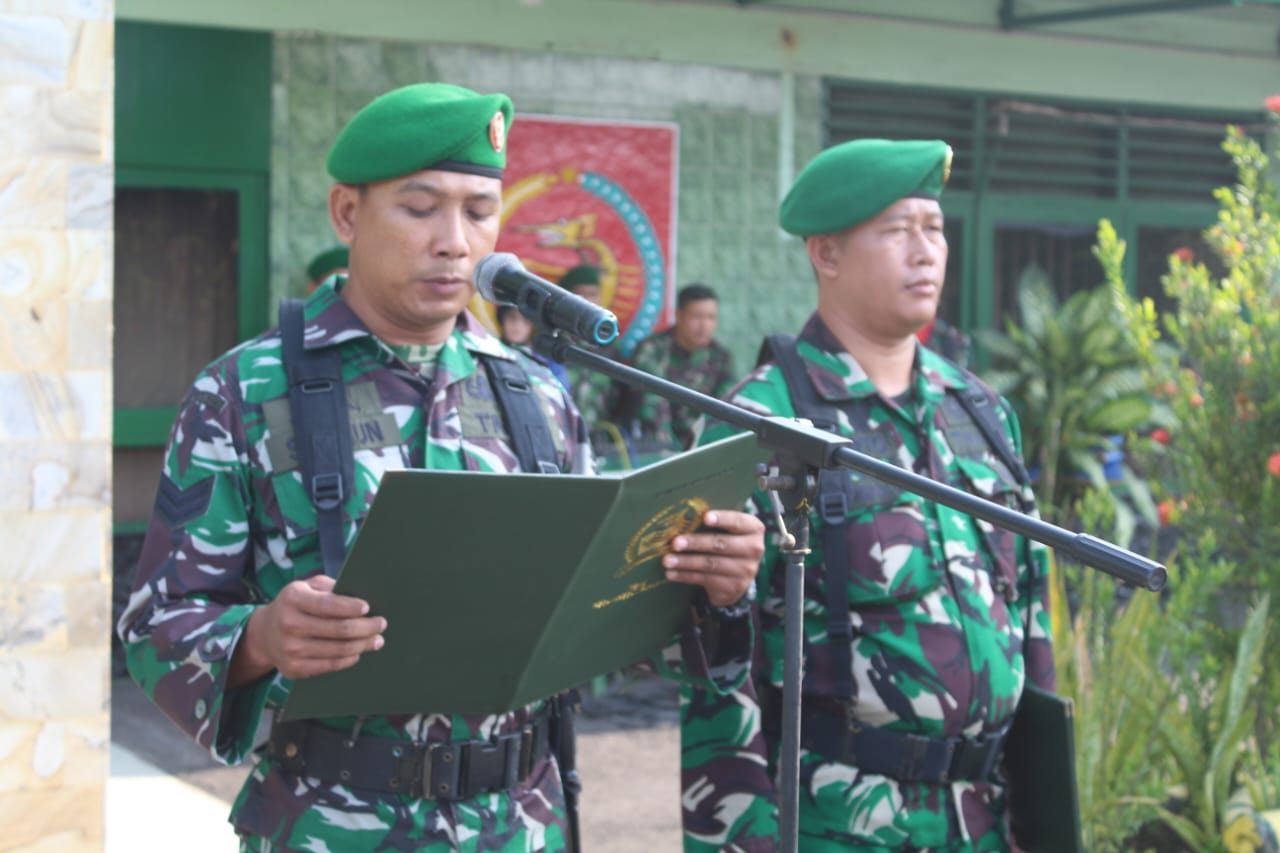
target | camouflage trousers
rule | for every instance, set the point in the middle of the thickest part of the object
(842, 809)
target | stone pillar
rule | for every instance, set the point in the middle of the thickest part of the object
(56, 111)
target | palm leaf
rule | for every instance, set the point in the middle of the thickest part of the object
(1139, 492)
(1115, 417)
(1037, 303)
(1239, 711)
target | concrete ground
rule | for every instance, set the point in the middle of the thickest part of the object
(162, 787)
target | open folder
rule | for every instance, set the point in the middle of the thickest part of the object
(499, 589)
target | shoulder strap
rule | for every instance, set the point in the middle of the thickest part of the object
(832, 506)
(321, 430)
(781, 350)
(525, 418)
(980, 404)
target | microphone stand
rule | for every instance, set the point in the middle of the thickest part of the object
(802, 450)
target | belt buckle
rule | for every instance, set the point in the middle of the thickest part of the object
(916, 763)
(851, 729)
(987, 747)
(524, 763)
(440, 769)
(991, 743)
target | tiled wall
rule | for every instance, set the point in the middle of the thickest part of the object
(728, 188)
(56, 79)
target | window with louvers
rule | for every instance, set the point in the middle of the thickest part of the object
(1007, 144)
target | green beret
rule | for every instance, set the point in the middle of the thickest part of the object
(326, 262)
(852, 182)
(424, 126)
(581, 274)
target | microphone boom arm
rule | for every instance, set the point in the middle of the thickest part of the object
(820, 449)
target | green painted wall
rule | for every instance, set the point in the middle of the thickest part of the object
(729, 153)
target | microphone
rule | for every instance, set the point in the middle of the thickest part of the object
(503, 280)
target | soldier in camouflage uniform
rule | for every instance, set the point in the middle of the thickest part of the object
(907, 697)
(231, 605)
(686, 354)
(596, 395)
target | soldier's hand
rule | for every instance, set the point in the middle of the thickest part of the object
(306, 630)
(724, 560)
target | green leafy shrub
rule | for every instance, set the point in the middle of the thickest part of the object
(1199, 681)
(1076, 381)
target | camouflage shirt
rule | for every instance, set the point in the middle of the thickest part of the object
(709, 370)
(938, 649)
(233, 525)
(595, 394)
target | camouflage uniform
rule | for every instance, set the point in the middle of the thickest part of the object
(709, 370)
(938, 649)
(233, 525)
(594, 394)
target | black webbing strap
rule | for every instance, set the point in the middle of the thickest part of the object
(827, 729)
(980, 405)
(521, 410)
(437, 771)
(833, 507)
(321, 431)
(981, 408)
(781, 350)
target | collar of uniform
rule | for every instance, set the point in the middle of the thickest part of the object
(477, 339)
(468, 339)
(937, 373)
(837, 376)
(337, 323)
(328, 312)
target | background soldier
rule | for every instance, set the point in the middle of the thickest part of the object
(921, 623)
(517, 330)
(599, 398)
(230, 604)
(329, 262)
(688, 355)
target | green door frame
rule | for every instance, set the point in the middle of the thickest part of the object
(149, 426)
(996, 209)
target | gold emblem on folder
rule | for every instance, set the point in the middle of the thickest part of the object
(651, 540)
(656, 533)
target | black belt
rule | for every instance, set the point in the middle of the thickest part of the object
(829, 730)
(440, 771)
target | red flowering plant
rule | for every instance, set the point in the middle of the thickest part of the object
(1215, 360)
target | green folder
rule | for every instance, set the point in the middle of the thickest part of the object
(1040, 764)
(499, 589)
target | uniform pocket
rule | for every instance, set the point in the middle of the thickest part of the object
(886, 540)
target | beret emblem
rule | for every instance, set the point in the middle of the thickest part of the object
(497, 131)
